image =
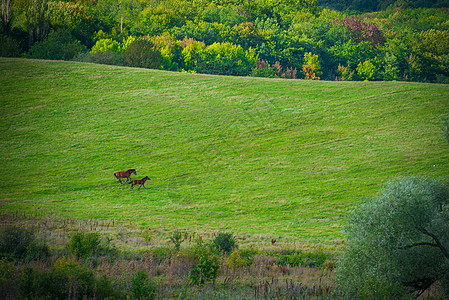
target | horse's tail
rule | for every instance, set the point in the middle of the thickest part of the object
(130, 182)
(115, 175)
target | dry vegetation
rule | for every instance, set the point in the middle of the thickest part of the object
(126, 250)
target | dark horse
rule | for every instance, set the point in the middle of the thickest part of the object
(125, 174)
(141, 182)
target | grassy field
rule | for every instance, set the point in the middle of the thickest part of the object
(260, 157)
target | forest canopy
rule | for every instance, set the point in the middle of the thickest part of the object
(406, 40)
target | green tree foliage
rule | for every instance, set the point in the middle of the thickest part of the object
(35, 15)
(192, 53)
(408, 43)
(155, 20)
(398, 243)
(103, 45)
(9, 47)
(6, 16)
(227, 59)
(60, 45)
(367, 70)
(143, 54)
(227, 15)
(170, 51)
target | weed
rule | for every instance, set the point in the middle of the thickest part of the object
(177, 238)
(224, 242)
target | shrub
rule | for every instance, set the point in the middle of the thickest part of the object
(235, 260)
(60, 45)
(177, 239)
(107, 58)
(344, 73)
(170, 51)
(311, 67)
(103, 45)
(66, 279)
(208, 264)
(227, 59)
(367, 70)
(15, 240)
(263, 69)
(192, 53)
(84, 244)
(141, 286)
(9, 47)
(8, 279)
(142, 53)
(224, 242)
(397, 244)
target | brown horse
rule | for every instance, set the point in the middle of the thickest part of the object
(141, 182)
(125, 174)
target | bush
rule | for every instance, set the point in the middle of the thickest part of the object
(84, 244)
(344, 73)
(103, 45)
(311, 67)
(66, 279)
(141, 286)
(367, 70)
(192, 53)
(107, 58)
(313, 259)
(397, 244)
(208, 264)
(177, 238)
(15, 241)
(263, 69)
(9, 47)
(8, 279)
(60, 45)
(224, 242)
(227, 59)
(143, 54)
(235, 260)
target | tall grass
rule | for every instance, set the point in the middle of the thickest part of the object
(265, 158)
(132, 270)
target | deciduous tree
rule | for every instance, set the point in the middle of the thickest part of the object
(398, 243)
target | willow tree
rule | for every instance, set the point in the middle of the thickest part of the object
(398, 243)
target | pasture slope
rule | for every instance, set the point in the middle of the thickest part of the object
(259, 157)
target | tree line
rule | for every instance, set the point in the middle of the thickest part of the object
(307, 39)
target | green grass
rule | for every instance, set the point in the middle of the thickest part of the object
(261, 157)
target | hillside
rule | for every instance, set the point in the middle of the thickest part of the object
(259, 157)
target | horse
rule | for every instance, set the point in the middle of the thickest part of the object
(141, 182)
(125, 174)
